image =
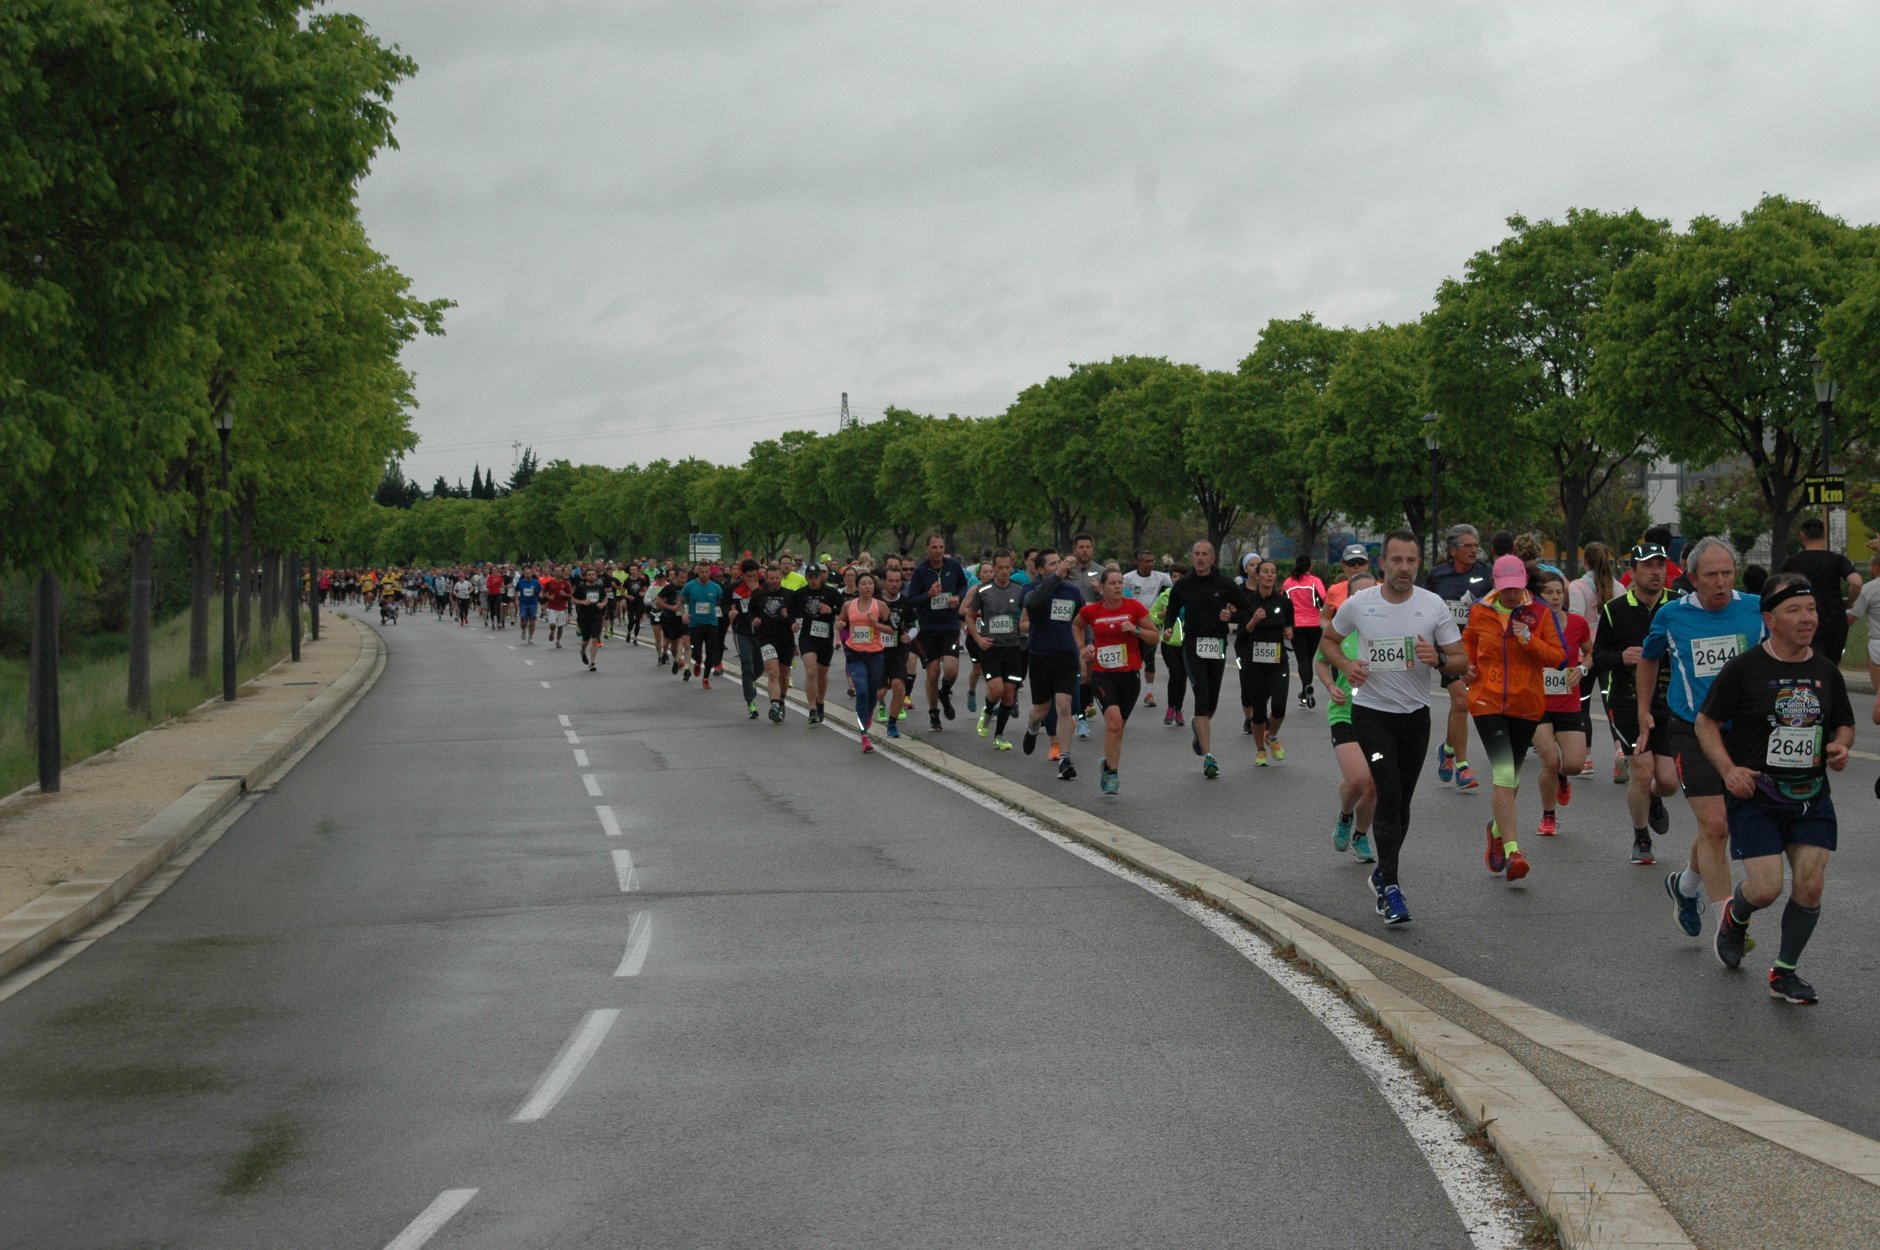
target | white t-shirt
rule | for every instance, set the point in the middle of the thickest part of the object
(1387, 634)
(1145, 587)
(1867, 604)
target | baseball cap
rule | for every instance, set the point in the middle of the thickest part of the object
(815, 566)
(1648, 551)
(1510, 573)
(1356, 551)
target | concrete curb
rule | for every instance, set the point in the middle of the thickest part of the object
(64, 910)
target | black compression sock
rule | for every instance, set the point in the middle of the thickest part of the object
(1741, 909)
(1004, 714)
(946, 686)
(1798, 925)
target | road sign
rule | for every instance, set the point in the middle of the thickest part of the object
(707, 547)
(1825, 490)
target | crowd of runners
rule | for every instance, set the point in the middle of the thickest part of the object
(1721, 683)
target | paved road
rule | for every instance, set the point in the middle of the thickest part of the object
(1587, 935)
(866, 1011)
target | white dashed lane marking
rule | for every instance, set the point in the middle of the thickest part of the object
(593, 786)
(431, 1219)
(623, 871)
(609, 824)
(568, 1064)
(580, 759)
(639, 937)
(565, 722)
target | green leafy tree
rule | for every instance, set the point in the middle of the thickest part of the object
(1139, 424)
(1286, 376)
(1709, 343)
(1511, 353)
(1055, 422)
(1729, 506)
(1219, 426)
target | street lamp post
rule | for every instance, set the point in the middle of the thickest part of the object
(1825, 390)
(1436, 468)
(224, 423)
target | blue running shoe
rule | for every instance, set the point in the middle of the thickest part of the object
(894, 730)
(1341, 833)
(1396, 911)
(1445, 763)
(1209, 768)
(1690, 909)
(1376, 881)
(972, 699)
(1361, 847)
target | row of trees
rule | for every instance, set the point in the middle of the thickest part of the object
(180, 248)
(1560, 361)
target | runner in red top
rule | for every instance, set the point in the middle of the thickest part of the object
(493, 589)
(1560, 741)
(1110, 635)
(555, 592)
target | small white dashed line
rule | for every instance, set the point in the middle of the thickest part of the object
(609, 824)
(639, 937)
(431, 1219)
(593, 786)
(580, 759)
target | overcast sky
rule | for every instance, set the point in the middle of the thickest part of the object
(674, 228)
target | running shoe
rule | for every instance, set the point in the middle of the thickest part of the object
(1066, 769)
(1179, 719)
(594, 668)
(946, 705)
(1445, 763)
(776, 714)
(1031, 741)
(1658, 818)
(1517, 865)
(1566, 791)
(867, 746)
(1246, 724)
(933, 722)
(1306, 698)
(1550, 825)
(1730, 935)
(815, 716)
(1361, 848)
(706, 682)
(1148, 699)
(1279, 751)
(1690, 909)
(1107, 780)
(675, 668)
(1056, 752)
(1496, 858)
(1209, 768)
(1341, 833)
(905, 711)
(1621, 767)
(881, 712)
(1194, 742)
(752, 709)
(1083, 727)
(719, 671)
(894, 730)
(1396, 911)
(687, 675)
(1790, 988)
(972, 699)
(1465, 777)
(1168, 717)
(1642, 850)
(982, 722)
(1000, 744)
(1586, 769)
(1259, 759)
(1376, 882)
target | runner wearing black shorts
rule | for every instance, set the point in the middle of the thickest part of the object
(1623, 623)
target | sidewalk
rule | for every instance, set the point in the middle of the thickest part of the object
(66, 858)
(1623, 1149)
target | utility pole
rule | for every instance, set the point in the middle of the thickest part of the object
(846, 420)
(515, 454)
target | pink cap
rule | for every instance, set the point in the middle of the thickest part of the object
(1510, 573)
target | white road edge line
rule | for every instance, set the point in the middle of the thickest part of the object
(593, 786)
(639, 937)
(623, 871)
(565, 722)
(544, 685)
(431, 1219)
(610, 825)
(580, 758)
(568, 1064)
(530, 663)
(574, 738)
(1472, 1186)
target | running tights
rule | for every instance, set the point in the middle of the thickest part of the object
(1305, 646)
(1395, 743)
(1204, 676)
(1177, 676)
(865, 674)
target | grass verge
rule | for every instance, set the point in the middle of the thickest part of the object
(92, 715)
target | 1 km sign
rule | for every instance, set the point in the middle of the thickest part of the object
(1824, 490)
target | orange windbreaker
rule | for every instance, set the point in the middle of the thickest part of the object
(1508, 671)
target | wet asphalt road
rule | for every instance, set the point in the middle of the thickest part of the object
(1587, 935)
(867, 1011)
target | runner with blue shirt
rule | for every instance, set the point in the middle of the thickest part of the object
(699, 602)
(528, 603)
(1701, 633)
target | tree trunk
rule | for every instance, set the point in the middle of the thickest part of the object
(1573, 510)
(143, 556)
(293, 598)
(1001, 530)
(950, 532)
(1138, 526)
(46, 688)
(244, 570)
(201, 579)
(269, 589)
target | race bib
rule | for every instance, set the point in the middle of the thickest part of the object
(1062, 609)
(1001, 625)
(1210, 648)
(1795, 747)
(1459, 612)
(1560, 680)
(768, 652)
(593, 596)
(862, 635)
(939, 603)
(1387, 654)
(1263, 652)
(1113, 656)
(1709, 655)
(819, 629)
